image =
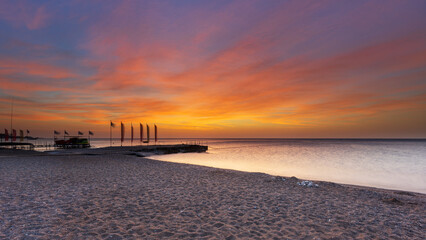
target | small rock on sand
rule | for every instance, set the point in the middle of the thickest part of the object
(307, 184)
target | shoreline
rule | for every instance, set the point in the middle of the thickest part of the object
(135, 150)
(121, 196)
(146, 151)
(140, 151)
(302, 178)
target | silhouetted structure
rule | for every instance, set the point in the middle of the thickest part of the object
(122, 133)
(141, 131)
(147, 134)
(155, 130)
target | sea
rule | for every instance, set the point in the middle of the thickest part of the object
(398, 164)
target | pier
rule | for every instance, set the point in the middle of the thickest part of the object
(164, 149)
(16, 145)
(140, 151)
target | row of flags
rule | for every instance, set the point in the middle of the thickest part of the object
(112, 125)
(13, 137)
(141, 131)
(66, 133)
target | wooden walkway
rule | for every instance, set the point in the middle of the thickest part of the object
(137, 150)
(18, 145)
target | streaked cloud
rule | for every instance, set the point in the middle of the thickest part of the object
(329, 68)
(24, 13)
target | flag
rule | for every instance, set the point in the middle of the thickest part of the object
(141, 131)
(65, 132)
(111, 125)
(21, 135)
(6, 135)
(80, 133)
(155, 129)
(90, 133)
(56, 132)
(28, 131)
(122, 132)
(13, 135)
(131, 133)
(147, 133)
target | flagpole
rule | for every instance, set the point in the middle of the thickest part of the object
(11, 119)
(155, 132)
(122, 133)
(110, 134)
(131, 135)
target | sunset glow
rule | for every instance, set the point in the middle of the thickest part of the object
(285, 69)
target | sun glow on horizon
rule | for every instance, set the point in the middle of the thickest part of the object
(216, 69)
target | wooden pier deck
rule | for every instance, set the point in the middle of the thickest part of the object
(18, 145)
(136, 150)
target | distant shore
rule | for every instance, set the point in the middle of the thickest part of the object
(86, 195)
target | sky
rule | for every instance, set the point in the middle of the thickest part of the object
(272, 69)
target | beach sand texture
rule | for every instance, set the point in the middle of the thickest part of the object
(128, 197)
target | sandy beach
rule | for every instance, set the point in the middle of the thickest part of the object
(120, 196)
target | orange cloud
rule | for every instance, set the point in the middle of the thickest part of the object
(14, 66)
(245, 65)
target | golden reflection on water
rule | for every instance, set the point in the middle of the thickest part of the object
(386, 165)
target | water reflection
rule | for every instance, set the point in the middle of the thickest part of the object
(385, 164)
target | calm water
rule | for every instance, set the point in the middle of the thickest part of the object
(391, 164)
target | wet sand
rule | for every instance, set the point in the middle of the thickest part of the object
(116, 196)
